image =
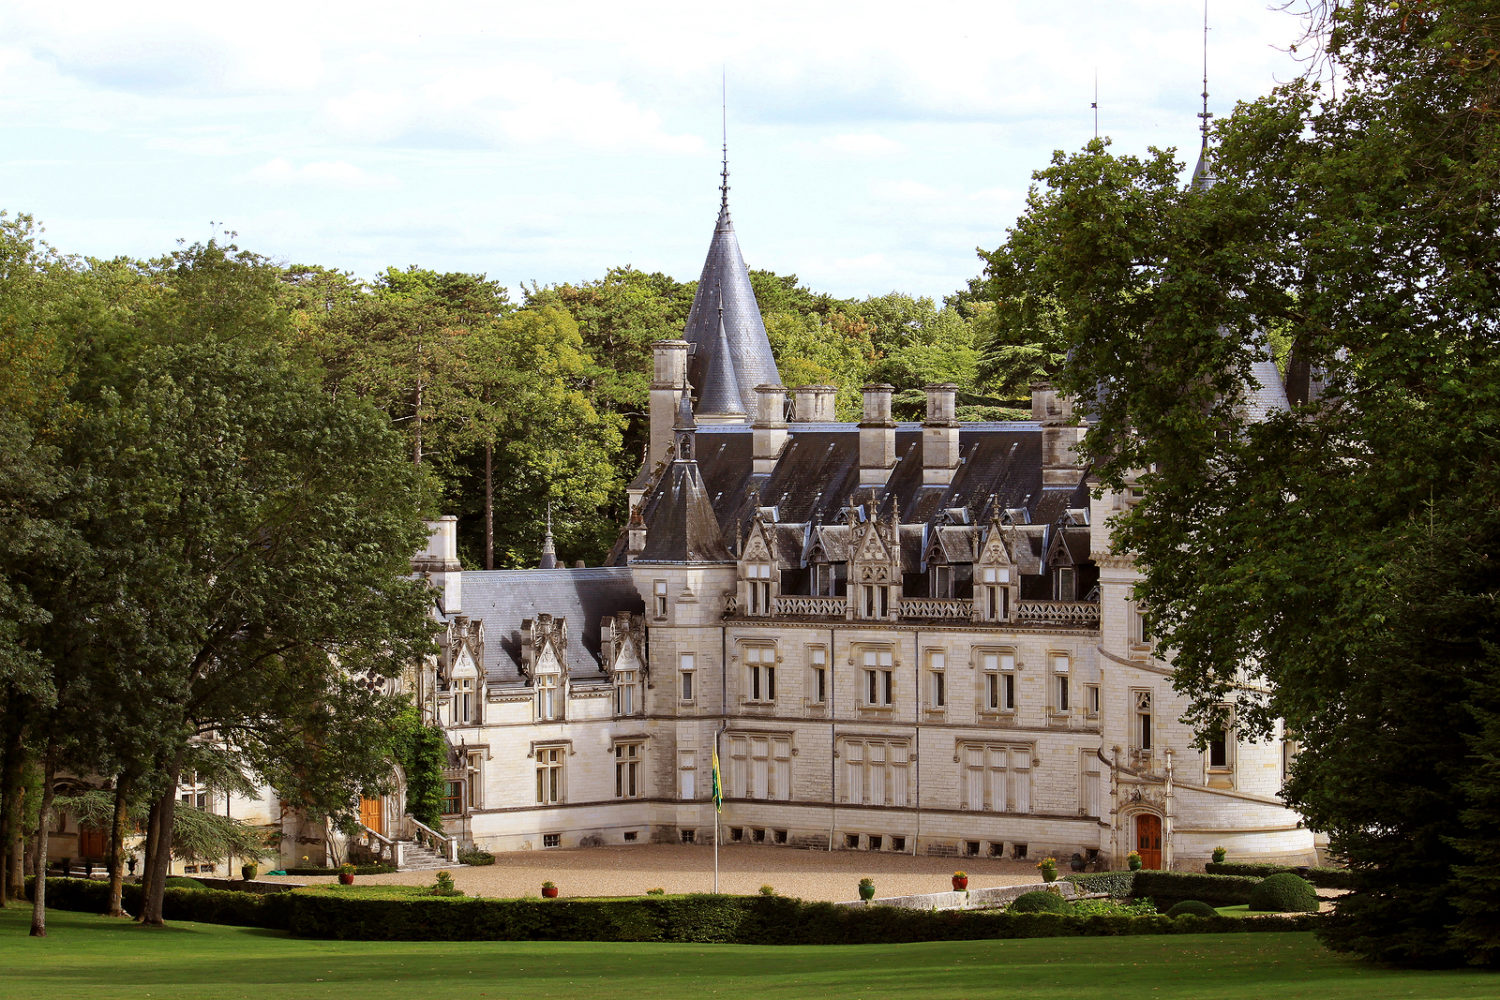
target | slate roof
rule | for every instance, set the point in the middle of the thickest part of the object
(683, 528)
(503, 598)
(725, 282)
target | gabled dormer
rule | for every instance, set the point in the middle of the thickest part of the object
(544, 664)
(622, 654)
(827, 560)
(948, 560)
(1070, 572)
(997, 577)
(463, 687)
(874, 567)
(759, 580)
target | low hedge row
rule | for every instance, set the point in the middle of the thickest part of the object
(698, 919)
(1323, 878)
(358, 870)
(1168, 888)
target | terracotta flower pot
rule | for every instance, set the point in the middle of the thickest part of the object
(549, 892)
(346, 878)
(960, 884)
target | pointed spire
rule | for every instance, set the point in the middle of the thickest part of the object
(724, 129)
(549, 552)
(1203, 173)
(720, 393)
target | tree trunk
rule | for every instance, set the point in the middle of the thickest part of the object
(44, 820)
(152, 828)
(123, 786)
(489, 506)
(10, 812)
(155, 886)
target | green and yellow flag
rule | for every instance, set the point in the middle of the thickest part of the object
(718, 785)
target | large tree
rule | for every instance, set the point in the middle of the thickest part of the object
(1330, 565)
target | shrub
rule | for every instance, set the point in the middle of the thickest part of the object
(476, 858)
(768, 890)
(1192, 908)
(1038, 902)
(1119, 885)
(183, 882)
(373, 869)
(1284, 893)
(656, 892)
(1113, 908)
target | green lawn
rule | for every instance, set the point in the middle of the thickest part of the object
(91, 958)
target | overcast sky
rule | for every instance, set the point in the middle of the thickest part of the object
(872, 145)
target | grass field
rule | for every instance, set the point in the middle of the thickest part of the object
(90, 958)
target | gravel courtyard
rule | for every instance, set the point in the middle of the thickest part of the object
(743, 869)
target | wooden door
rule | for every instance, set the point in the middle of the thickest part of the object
(1148, 840)
(91, 843)
(371, 815)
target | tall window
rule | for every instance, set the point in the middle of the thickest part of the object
(1066, 584)
(937, 680)
(999, 673)
(687, 676)
(879, 688)
(659, 595)
(687, 775)
(876, 771)
(996, 777)
(760, 673)
(874, 600)
(760, 767)
(463, 700)
(474, 779)
(191, 791)
(1062, 692)
(825, 579)
(1140, 625)
(628, 692)
(549, 775)
(994, 593)
(1091, 691)
(817, 682)
(1090, 789)
(628, 770)
(453, 798)
(1140, 727)
(758, 576)
(940, 581)
(1220, 750)
(548, 695)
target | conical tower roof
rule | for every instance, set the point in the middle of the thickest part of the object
(719, 394)
(724, 286)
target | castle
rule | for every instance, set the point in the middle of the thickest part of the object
(899, 637)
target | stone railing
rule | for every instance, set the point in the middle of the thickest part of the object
(431, 839)
(810, 607)
(383, 847)
(1075, 613)
(944, 608)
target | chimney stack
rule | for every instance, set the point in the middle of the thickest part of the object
(438, 562)
(877, 436)
(940, 435)
(768, 433)
(668, 385)
(813, 404)
(1060, 435)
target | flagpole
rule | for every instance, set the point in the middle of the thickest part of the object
(718, 797)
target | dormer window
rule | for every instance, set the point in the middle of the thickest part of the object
(548, 696)
(874, 601)
(824, 580)
(758, 577)
(994, 593)
(940, 581)
(659, 595)
(1065, 584)
(628, 691)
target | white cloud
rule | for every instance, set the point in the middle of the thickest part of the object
(863, 144)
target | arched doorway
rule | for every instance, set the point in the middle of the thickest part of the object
(1148, 839)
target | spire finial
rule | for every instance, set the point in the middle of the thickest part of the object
(1205, 115)
(724, 130)
(1095, 105)
(549, 551)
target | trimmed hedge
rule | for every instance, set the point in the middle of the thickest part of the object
(1284, 893)
(1191, 908)
(1040, 901)
(476, 858)
(1169, 888)
(1323, 878)
(697, 919)
(358, 870)
(1119, 885)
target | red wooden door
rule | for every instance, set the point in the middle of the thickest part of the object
(1148, 840)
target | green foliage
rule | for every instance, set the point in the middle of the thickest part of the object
(198, 834)
(1191, 908)
(1119, 885)
(358, 870)
(1040, 901)
(1323, 878)
(475, 858)
(1284, 893)
(422, 752)
(1167, 888)
(1113, 907)
(183, 882)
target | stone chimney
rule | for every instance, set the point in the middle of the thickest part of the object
(668, 385)
(813, 404)
(768, 432)
(877, 436)
(635, 535)
(940, 435)
(438, 562)
(1060, 435)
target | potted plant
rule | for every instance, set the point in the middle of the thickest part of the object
(1219, 855)
(1133, 859)
(960, 881)
(249, 870)
(1048, 868)
(346, 874)
(549, 890)
(866, 889)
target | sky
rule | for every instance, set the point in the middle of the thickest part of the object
(873, 146)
